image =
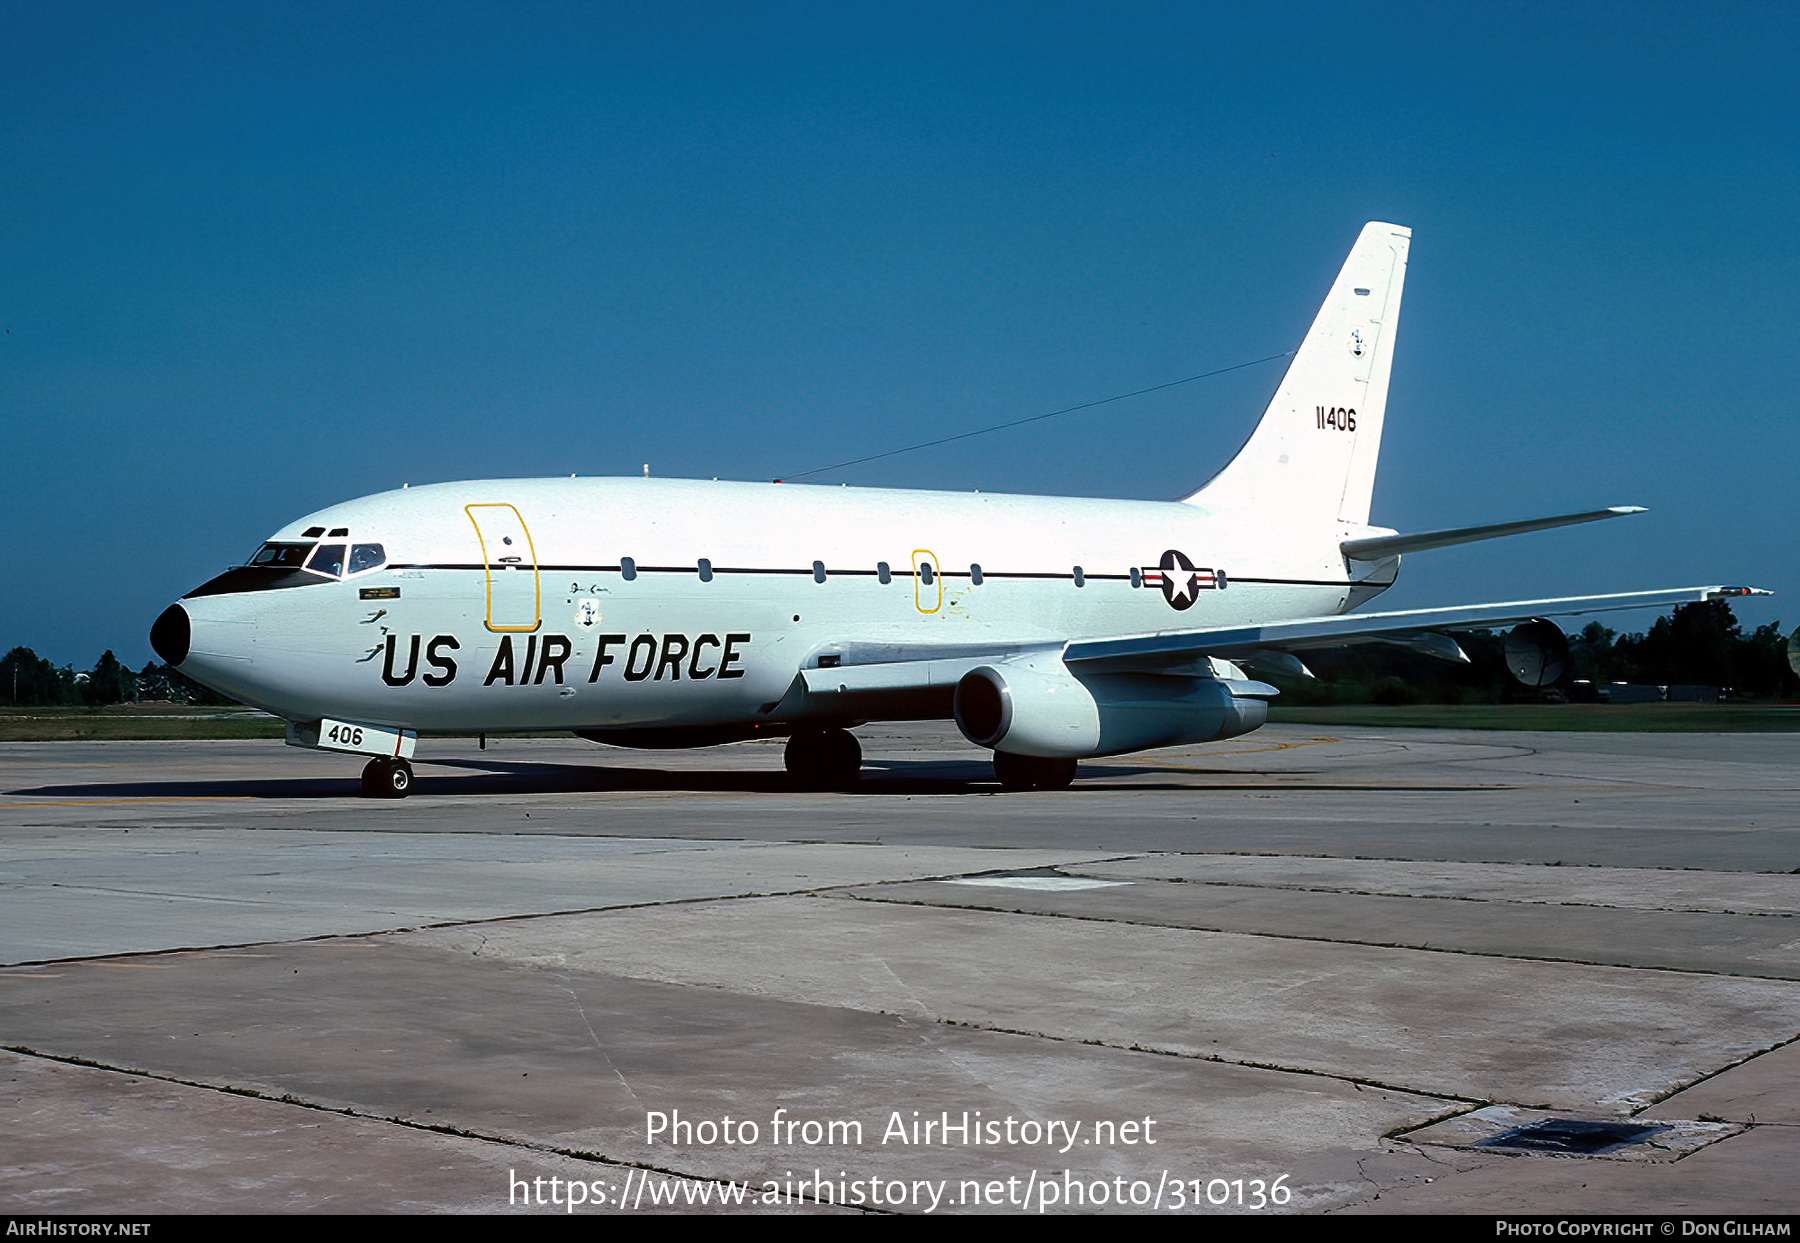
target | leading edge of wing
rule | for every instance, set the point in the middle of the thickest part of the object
(1164, 648)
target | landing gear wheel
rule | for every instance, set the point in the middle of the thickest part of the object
(824, 759)
(1032, 772)
(384, 778)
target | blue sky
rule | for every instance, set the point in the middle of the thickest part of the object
(255, 259)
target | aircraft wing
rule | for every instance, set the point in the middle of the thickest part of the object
(907, 678)
(1169, 648)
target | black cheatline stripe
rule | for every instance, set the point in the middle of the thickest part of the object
(1309, 582)
(750, 569)
(894, 573)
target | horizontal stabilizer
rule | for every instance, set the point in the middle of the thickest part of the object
(1376, 547)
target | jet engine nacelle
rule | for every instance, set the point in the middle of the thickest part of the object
(1537, 652)
(1037, 707)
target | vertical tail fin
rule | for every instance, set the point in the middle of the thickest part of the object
(1312, 458)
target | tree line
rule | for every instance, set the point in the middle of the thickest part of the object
(1699, 644)
(27, 679)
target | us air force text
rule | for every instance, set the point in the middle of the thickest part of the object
(645, 657)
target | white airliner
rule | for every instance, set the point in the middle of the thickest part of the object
(663, 613)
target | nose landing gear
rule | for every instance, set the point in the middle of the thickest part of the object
(385, 778)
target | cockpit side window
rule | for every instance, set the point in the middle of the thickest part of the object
(278, 556)
(328, 560)
(366, 557)
(276, 565)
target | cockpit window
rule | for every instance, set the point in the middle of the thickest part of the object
(282, 556)
(366, 557)
(328, 560)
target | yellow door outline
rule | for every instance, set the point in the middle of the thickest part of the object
(924, 556)
(490, 563)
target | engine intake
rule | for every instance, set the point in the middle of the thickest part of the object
(1537, 652)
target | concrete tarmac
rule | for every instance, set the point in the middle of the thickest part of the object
(1307, 970)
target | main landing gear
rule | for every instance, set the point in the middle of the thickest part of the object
(385, 778)
(1032, 772)
(824, 759)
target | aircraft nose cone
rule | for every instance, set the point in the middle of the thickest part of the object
(171, 634)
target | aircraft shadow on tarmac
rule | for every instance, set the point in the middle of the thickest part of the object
(472, 777)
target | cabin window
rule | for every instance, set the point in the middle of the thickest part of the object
(818, 571)
(705, 569)
(883, 574)
(328, 560)
(925, 573)
(627, 569)
(1137, 577)
(366, 557)
(975, 576)
(1080, 578)
(281, 556)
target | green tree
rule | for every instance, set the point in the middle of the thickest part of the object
(27, 678)
(1761, 666)
(1694, 644)
(161, 682)
(1591, 655)
(108, 682)
(1702, 643)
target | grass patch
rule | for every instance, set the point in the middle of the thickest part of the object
(164, 723)
(1748, 718)
(136, 722)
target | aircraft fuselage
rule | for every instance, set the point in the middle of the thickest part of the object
(614, 603)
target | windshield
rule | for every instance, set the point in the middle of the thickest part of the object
(328, 560)
(281, 556)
